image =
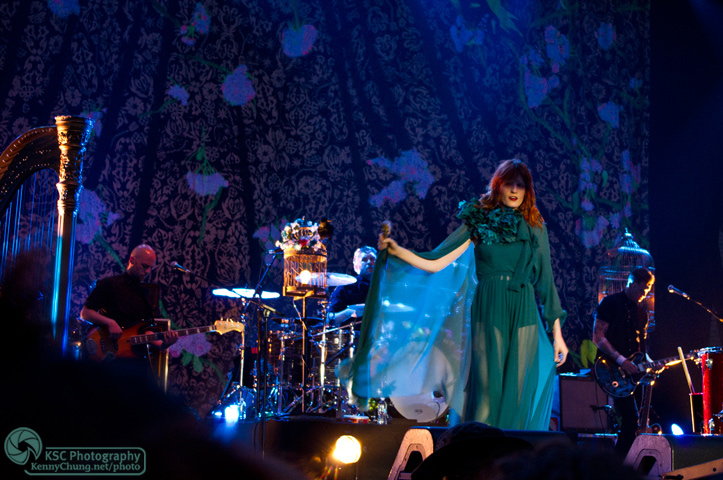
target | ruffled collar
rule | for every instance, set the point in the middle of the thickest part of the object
(499, 225)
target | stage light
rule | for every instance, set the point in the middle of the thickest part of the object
(231, 414)
(304, 277)
(676, 430)
(347, 450)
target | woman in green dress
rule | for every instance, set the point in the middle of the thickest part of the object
(505, 360)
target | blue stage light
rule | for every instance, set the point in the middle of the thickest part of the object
(676, 430)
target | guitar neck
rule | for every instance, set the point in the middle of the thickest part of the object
(150, 337)
(661, 363)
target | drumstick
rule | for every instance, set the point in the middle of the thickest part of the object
(685, 369)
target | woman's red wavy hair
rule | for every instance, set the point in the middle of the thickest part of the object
(507, 171)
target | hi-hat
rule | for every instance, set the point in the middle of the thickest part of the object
(332, 279)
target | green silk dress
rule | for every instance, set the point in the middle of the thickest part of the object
(471, 331)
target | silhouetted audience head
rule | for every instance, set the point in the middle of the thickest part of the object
(25, 304)
(563, 462)
(468, 451)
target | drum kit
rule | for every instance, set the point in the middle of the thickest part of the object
(292, 371)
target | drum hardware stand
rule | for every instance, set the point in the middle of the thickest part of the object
(323, 349)
(230, 389)
(343, 348)
(304, 333)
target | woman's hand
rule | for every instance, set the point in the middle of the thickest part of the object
(559, 345)
(390, 244)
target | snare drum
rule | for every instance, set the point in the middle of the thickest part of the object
(711, 360)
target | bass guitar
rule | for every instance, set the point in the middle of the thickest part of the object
(99, 346)
(614, 381)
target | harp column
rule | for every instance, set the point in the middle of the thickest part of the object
(73, 135)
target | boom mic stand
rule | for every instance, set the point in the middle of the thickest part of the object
(672, 289)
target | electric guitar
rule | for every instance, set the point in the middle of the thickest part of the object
(614, 381)
(99, 346)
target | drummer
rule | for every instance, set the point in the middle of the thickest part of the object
(347, 301)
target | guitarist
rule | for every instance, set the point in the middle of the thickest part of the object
(619, 331)
(119, 301)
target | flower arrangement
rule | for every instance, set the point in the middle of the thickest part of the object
(302, 233)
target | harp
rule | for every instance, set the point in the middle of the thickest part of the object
(36, 217)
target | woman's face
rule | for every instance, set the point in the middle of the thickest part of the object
(513, 192)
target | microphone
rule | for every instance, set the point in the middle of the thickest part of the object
(176, 266)
(672, 289)
(275, 251)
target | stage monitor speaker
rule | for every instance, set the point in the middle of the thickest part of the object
(583, 405)
(654, 456)
(417, 444)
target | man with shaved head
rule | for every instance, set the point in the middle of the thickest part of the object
(119, 301)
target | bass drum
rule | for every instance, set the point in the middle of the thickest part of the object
(430, 405)
(424, 408)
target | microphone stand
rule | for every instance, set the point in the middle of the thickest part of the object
(263, 350)
(210, 282)
(687, 297)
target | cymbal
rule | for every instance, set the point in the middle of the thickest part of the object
(242, 292)
(332, 279)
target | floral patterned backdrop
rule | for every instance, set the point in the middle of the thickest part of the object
(217, 122)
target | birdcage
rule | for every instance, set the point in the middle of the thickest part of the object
(619, 262)
(305, 268)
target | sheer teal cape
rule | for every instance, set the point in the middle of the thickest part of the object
(417, 333)
(415, 329)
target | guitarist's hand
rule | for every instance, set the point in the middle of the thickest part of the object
(169, 338)
(629, 367)
(114, 330)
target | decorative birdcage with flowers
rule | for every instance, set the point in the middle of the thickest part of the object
(303, 243)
